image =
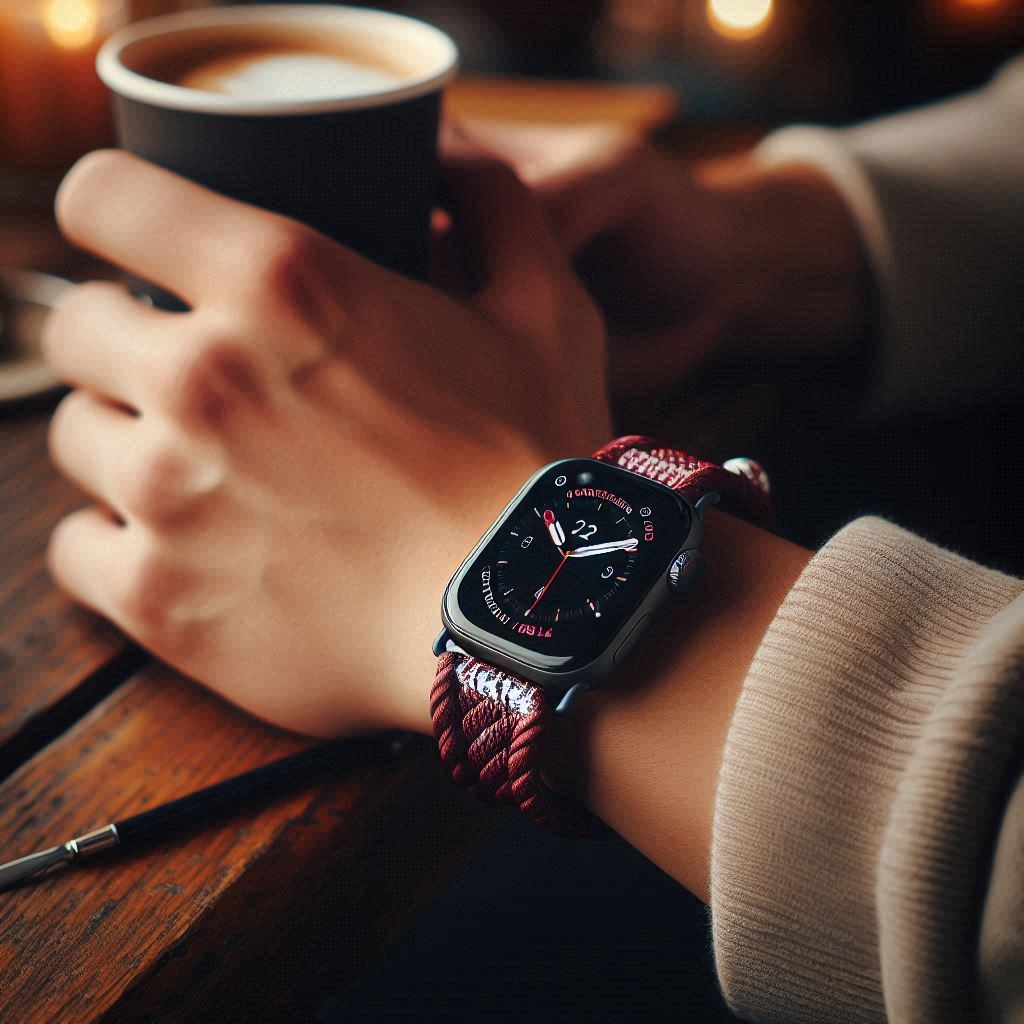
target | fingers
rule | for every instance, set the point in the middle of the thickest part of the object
(502, 223)
(143, 470)
(170, 231)
(589, 204)
(196, 369)
(88, 558)
(103, 339)
(88, 440)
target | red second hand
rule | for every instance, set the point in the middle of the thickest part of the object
(565, 558)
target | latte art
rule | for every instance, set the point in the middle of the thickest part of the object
(275, 74)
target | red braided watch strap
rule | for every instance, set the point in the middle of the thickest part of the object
(490, 724)
(741, 484)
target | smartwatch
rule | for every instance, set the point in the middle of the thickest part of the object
(555, 596)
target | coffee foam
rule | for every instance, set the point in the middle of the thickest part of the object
(364, 59)
(298, 75)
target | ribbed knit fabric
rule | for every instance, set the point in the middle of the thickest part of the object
(865, 783)
(938, 196)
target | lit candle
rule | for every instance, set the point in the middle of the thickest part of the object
(53, 106)
(739, 19)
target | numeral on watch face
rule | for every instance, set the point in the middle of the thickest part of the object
(546, 572)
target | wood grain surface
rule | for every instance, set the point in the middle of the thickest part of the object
(253, 919)
(243, 915)
(49, 647)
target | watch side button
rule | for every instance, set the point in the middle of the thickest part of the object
(630, 642)
(685, 571)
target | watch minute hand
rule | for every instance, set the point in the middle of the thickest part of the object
(629, 544)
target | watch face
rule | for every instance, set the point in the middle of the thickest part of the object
(569, 563)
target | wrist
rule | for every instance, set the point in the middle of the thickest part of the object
(677, 695)
(796, 274)
(448, 533)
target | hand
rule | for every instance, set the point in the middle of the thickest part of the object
(691, 261)
(286, 475)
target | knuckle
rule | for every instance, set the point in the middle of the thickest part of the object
(214, 375)
(288, 258)
(156, 486)
(151, 590)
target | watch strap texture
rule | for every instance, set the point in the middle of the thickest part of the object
(490, 724)
(741, 484)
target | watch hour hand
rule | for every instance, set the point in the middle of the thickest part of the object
(629, 544)
(554, 528)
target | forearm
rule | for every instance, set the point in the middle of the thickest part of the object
(866, 769)
(643, 753)
(847, 726)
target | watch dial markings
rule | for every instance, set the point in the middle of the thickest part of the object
(531, 587)
(564, 570)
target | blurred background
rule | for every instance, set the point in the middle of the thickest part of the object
(750, 61)
(537, 927)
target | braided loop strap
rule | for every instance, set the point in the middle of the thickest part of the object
(741, 484)
(490, 724)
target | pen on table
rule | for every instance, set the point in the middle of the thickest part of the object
(171, 819)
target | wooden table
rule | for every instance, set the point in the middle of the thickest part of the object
(250, 918)
(256, 917)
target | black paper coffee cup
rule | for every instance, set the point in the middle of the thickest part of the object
(356, 160)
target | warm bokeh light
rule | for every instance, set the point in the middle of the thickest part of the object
(72, 24)
(739, 19)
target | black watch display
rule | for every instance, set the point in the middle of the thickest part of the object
(573, 571)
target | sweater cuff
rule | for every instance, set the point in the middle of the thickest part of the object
(859, 656)
(934, 193)
(827, 150)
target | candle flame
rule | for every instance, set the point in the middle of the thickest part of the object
(71, 24)
(739, 19)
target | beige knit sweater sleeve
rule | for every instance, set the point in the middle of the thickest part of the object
(938, 197)
(868, 850)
